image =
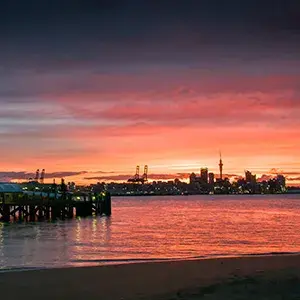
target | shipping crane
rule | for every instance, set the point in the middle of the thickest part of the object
(42, 176)
(37, 175)
(136, 178)
(145, 175)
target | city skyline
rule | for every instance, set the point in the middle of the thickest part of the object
(89, 177)
(101, 86)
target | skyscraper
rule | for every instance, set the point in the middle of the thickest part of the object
(193, 178)
(221, 167)
(248, 176)
(211, 178)
(204, 175)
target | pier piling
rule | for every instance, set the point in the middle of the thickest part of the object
(32, 207)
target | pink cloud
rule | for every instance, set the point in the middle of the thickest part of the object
(119, 120)
(222, 109)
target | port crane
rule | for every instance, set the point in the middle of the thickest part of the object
(137, 178)
(39, 178)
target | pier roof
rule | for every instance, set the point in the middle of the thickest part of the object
(7, 187)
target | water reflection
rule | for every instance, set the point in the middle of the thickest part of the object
(150, 228)
(78, 246)
(94, 229)
(105, 229)
(92, 236)
(78, 231)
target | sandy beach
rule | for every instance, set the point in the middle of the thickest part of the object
(259, 277)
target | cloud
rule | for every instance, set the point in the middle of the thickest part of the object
(64, 174)
(83, 81)
(122, 177)
(102, 172)
(8, 176)
(147, 81)
(152, 176)
(275, 171)
(277, 109)
(289, 176)
(265, 177)
(293, 178)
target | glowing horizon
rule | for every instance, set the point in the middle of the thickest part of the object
(129, 85)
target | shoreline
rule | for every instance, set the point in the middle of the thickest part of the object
(120, 262)
(144, 280)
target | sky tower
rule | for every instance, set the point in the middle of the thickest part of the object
(221, 167)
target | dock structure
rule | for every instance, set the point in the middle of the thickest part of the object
(17, 204)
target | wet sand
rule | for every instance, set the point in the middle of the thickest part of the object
(257, 277)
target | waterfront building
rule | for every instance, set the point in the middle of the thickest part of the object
(248, 176)
(193, 178)
(211, 178)
(204, 175)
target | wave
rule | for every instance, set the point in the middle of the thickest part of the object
(272, 253)
(227, 255)
(162, 259)
(102, 262)
(122, 259)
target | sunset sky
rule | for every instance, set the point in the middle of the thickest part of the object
(93, 88)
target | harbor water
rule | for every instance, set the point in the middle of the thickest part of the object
(157, 228)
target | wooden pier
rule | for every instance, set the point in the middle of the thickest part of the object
(40, 207)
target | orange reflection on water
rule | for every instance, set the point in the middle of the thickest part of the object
(160, 228)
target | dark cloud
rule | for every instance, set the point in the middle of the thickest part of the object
(64, 174)
(7, 176)
(181, 176)
(265, 177)
(268, 13)
(62, 33)
(125, 177)
(102, 172)
(122, 177)
(289, 176)
(275, 171)
(293, 178)
(153, 176)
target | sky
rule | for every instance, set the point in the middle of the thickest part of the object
(90, 89)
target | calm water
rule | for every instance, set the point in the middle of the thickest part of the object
(158, 228)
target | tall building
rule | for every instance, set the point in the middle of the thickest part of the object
(280, 179)
(211, 178)
(204, 175)
(248, 176)
(193, 178)
(221, 166)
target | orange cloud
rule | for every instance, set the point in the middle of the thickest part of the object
(114, 122)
